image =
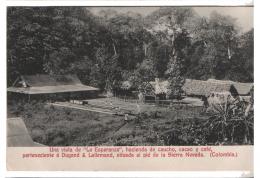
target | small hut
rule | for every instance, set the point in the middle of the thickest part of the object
(160, 88)
(147, 90)
(126, 89)
(217, 91)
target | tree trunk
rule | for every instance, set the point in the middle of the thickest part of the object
(205, 44)
(229, 53)
(114, 47)
(145, 49)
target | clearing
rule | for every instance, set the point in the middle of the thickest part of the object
(102, 122)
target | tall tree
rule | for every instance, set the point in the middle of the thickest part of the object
(214, 44)
(170, 26)
(176, 66)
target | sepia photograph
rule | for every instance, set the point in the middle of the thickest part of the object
(130, 76)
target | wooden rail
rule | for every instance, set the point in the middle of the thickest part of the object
(81, 108)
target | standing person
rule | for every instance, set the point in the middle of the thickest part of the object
(138, 108)
(111, 105)
(138, 115)
(205, 102)
(118, 110)
(141, 97)
(126, 117)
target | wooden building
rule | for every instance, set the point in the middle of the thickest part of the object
(50, 87)
(199, 88)
(202, 90)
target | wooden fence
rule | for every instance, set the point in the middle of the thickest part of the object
(161, 103)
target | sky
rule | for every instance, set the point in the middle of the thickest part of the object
(244, 15)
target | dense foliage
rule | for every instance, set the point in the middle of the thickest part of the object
(105, 49)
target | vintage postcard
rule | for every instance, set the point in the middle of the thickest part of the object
(166, 88)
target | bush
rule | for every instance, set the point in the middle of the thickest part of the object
(231, 124)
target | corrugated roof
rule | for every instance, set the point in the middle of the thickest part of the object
(47, 84)
(52, 89)
(50, 80)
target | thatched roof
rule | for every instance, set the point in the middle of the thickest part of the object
(160, 87)
(126, 85)
(204, 88)
(147, 89)
(242, 88)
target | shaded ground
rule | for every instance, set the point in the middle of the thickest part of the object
(57, 126)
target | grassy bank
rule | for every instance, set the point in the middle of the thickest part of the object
(55, 126)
